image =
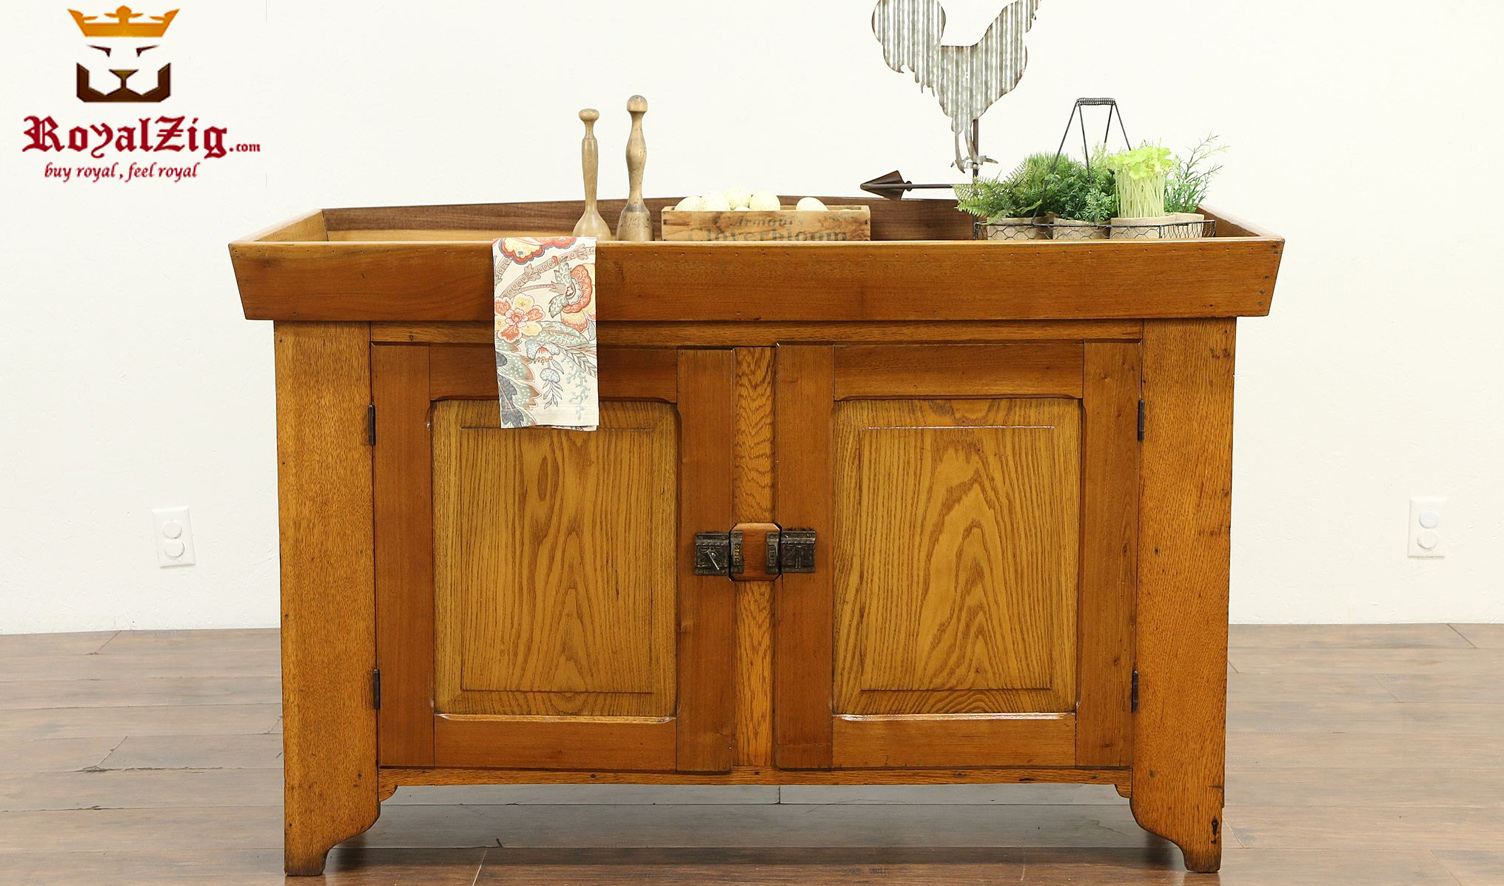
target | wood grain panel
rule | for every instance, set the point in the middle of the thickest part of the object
(878, 742)
(536, 614)
(1109, 554)
(658, 282)
(404, 552)
(803, 608)
(752, 501)
(463, 372)
(707, 603)
(328, 596)
(956, 553)
(555, 742)
(1044, 369)
(671, 334)
(1184, 557)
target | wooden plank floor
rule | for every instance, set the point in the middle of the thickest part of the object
(1357, 755)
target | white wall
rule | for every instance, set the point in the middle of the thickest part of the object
(1361, 131)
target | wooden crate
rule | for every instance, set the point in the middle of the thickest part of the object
(836, 224)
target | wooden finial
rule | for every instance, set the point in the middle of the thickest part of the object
(635, 222)
(591, 224)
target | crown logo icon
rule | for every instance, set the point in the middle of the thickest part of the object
(123, 25)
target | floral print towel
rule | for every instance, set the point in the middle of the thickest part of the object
(545, 332)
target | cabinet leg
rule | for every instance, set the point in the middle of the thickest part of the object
(310, 832)
(1199, 838)
(1180, 727)
(328, 596)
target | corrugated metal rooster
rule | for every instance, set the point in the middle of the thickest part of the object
(966, 79)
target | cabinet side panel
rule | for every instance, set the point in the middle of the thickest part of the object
(328, 593)
(1109, 553)
(803, 645)
(1179, 747)
(404, 553)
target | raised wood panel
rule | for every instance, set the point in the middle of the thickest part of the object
(881, 742)
(1043, 369)
(324, 504)
(536, 614)
(1109, 553)
(555, 743)
(403, 474)
(955, 556)
(804, 605)
(1179, 746)
(670, 334)
(465, 372)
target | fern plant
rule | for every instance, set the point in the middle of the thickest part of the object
(1080, 192)
(1191, 176)
(1020, 195)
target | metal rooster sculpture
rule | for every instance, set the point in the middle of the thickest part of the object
(966, 79)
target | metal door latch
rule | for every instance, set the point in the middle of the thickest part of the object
(786, 551)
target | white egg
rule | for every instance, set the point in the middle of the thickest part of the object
(810, 204)
(738, 197)
(714, 203)
(765, 201)
(690, 204)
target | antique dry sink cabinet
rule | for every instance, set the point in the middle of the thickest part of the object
(911, 511)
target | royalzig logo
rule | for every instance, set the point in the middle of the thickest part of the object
(128, 48)
(124, 63)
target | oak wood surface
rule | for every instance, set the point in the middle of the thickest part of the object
(657, 282)
(1109, 553)
(673, 334)
(892, 371)
(978, 740)
(468, 372)
(1184, 561)
(752, 480)
(757, 775)
(706, 604)
(328, 599)
(403, 477)
(537, 610)
(955, 558)
(804, 603)
(617, 743)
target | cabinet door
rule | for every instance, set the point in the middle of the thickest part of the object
(536, 599)
(974, 509)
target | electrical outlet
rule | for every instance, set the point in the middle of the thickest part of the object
(1427, 535)
(174, 536)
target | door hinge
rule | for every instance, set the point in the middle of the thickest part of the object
(371, 425)
(1141, 421)
(376, 688)
(1133, 693)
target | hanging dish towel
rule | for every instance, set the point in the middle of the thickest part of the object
(545, 332)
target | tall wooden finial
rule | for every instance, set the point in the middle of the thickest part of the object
(591, 224)
(635, 222)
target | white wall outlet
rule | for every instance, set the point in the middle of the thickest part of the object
(174, 536)
(1427, 532)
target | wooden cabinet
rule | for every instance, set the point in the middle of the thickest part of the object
(1019, 511)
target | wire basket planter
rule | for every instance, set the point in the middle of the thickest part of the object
(1045, 228)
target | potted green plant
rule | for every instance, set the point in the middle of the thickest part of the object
(1009, 208)
(1080, 198)
(1186, 187)
(1140, 175)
